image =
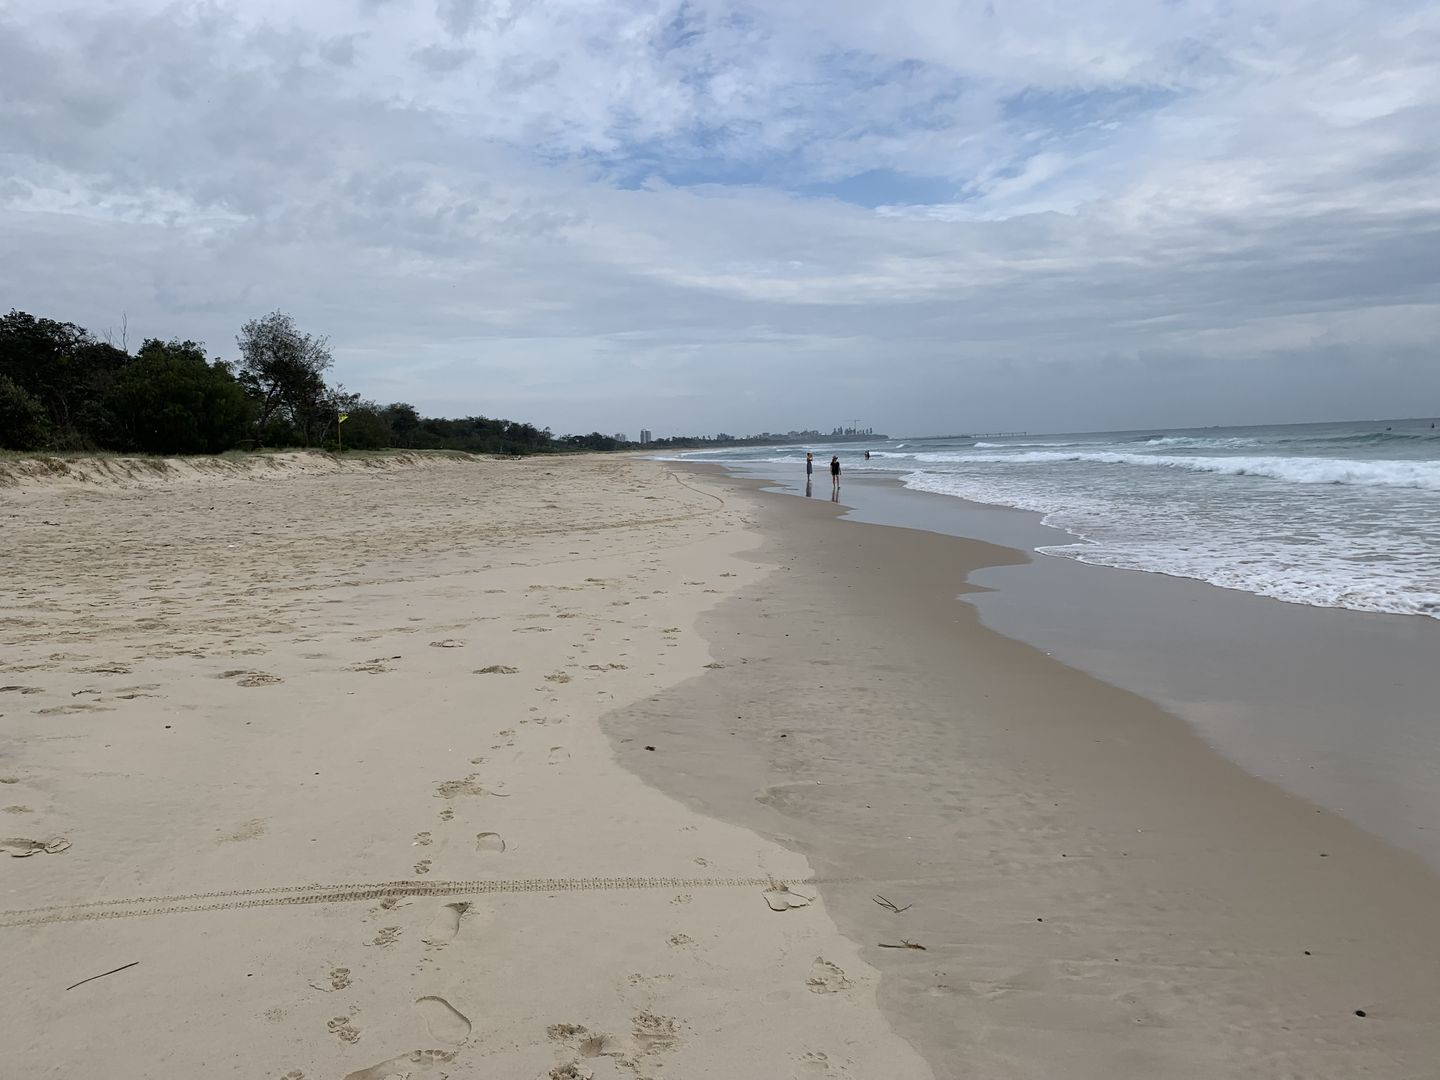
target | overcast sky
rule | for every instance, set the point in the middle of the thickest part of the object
(925, 215)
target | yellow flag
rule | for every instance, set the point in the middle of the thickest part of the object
(344, 416)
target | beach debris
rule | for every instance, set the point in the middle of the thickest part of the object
(1360, 1012)
(21, 848)
(780, 898)
(889, 905)
(497, 669)
(112, 971)
(448, 643)
(905, 943)
(649, 748)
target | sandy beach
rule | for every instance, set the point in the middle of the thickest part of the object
(597, 767)
(316, 748)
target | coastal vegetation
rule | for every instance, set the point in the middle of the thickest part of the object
(63, 388)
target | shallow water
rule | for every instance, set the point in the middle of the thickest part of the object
(1329, 515)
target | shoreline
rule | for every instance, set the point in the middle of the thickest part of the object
(1098, 891)
(1333, 705)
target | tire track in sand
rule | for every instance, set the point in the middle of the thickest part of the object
(279, 896)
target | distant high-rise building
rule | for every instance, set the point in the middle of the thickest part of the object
(646, 438)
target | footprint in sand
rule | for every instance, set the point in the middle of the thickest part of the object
(380, 665)
(589, 1043)
(344, 1030)
(22, 848)
(826, 978)
(258, 678)
(816, 1064)
(782, 899)
(110, 668)
(406, 1065)
(249, 830)
(653, 1032)
(558, 754)
(497, 669)
(70, 710)
(446, 923)
(489, 843)
(131, 693)
(443, 1020)
(571, 1070)
(423, 839)
(448, 789)
(448, 643)
(423, 866)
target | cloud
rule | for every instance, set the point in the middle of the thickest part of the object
(442, 60)
(707, 214)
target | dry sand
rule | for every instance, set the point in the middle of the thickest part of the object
(323, 741)
(1099, 895)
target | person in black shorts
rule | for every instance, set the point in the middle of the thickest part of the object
(835, 472)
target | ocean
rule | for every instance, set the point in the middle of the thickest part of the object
(1340, 515)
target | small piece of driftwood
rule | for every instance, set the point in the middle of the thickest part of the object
(112, 971)
(889, 905)
(904, 944)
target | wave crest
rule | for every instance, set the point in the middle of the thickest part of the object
(1422, 475)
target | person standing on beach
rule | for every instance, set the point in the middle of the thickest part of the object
(835, 472)
(809, 465)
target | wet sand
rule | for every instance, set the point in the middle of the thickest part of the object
(1098, 892)
(1336, 706)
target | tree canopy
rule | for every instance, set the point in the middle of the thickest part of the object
(283, 369)
(61, 388)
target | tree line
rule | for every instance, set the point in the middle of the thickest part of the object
(63, 388)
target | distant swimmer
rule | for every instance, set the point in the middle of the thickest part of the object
(867, 455)
(835, 473)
